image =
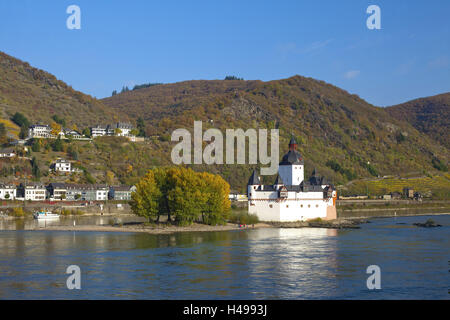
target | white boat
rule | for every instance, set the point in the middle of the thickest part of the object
(45, 215)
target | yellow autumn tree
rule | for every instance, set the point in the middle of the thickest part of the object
(56, 128)
(217, 206)
(110, 177)
(187, 195)
(145, 200)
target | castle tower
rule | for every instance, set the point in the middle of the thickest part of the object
(253, 184)
(291, 168)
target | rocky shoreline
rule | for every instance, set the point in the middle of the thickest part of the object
(153, 228)
(317, 223)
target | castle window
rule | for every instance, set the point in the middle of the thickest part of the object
(301, 206)
(309, 206)
(317, 205)
(287, 206)
(270, 206)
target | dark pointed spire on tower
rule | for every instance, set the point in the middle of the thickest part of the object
(292, 144)
(254, 179)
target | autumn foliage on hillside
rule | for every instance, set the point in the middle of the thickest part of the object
(330, 124)
(40, 96)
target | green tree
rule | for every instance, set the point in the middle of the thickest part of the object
(23, 132)
(140, 126)
(57, 145)
(20, 120)
(36, 146)
(73, 152)
(59, 120)
(35, 168)
(2, 130)
(87, 132)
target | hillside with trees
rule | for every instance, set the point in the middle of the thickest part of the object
(430, 115)
(340, 134)
(40, 96)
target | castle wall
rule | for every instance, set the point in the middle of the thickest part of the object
(297, 207)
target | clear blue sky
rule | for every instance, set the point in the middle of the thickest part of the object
(133, 42)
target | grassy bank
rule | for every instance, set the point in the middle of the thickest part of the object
(368, 210)
(437, 187)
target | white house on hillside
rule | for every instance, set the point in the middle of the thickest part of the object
(110, 130)
(62, 165)
(7, 153)
(8, 192)
(40, 131)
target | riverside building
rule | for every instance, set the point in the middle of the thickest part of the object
(291, 197)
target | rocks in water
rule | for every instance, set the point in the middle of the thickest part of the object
(296, 224)
(319, 223)
(428, 224)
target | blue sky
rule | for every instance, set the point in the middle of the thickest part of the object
(133, 42)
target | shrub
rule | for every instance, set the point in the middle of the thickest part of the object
(17, 212)
(243, 217)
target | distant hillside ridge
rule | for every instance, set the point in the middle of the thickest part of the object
(339, 133)
(39, 95)
(430, 115)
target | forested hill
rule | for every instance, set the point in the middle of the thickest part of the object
(39, 95)
(339, 133)
(429, 115)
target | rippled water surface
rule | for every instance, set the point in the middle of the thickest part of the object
(245, 264)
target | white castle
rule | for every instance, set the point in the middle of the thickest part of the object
(291, 198)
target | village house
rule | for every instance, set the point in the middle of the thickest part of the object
(57, 191)
(62, 165)
(387, 197)
(121, 192)
(124, 128)
(121, 129)
(85, 192)
(8, 192)
(73, 134)
(45, 132)
(101, 192)
(40, 131)
(396, 195)
(7, 153)
(408, 192)
(100, 131)
(33, 191)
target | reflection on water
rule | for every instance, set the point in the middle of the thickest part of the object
(31, 224)
(242, 264)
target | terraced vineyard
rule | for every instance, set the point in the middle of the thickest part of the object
(438, 186)
(11, 127)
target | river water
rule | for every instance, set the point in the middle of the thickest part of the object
(244, 264)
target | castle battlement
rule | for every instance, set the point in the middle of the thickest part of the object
(291, 197)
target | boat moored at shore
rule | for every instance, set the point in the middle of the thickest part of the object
(40, 215)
